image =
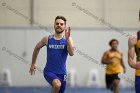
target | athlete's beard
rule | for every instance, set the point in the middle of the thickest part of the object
(58, 32)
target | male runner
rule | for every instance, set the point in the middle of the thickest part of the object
(134, 47)
(115, 65)
(58, 46)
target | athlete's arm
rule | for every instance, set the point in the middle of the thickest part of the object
(70, 45)
(131, 52)
(104, 59)
(39, 45)
(122, 63)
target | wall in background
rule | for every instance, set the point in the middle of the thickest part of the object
(93, 42)
(80, 13)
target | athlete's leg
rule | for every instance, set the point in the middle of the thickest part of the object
(62, 79)
(53, 80)
(137, 84)
(108, 81)
(116, 85)
(56, 84)
(62, 88)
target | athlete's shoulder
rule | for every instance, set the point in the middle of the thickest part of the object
(107, 52)
(50, 36)
(45, 39)
(70, 38)
(133, 36)
(120, 52)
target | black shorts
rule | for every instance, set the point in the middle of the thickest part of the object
(110, 79)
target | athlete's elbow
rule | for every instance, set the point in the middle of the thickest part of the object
(131, 64)
(102, 61)
(71, 54)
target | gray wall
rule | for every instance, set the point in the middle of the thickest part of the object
(81, 13)
(90, 41)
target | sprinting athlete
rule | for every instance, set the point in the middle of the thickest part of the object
(115, 65)
(58, 46)
(134, 47)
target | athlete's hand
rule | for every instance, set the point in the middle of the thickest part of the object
(137, 65)
(67, 32)
(32, 69)
(109, 62)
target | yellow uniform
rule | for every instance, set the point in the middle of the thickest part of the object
(115, 67)
(137, 49)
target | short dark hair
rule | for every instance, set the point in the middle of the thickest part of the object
(112, 40)
(61, 17)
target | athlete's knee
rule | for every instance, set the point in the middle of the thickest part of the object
(56, 84)
(116, 83)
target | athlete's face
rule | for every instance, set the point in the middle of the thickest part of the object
(114, 45)
(59, 26)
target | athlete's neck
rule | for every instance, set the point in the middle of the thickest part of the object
(58, 36)
(113, 50)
